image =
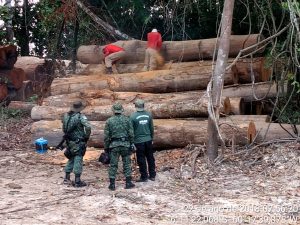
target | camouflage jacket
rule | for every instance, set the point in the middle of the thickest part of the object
(116, 128)
(76, 126)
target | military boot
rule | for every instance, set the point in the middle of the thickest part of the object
(109, 70)
(67, 179)
(129, 184)
(79, 182)
(112, 185)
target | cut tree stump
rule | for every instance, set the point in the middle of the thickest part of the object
(8, 56)
(191, 50)
(159, 109)
(169, 133)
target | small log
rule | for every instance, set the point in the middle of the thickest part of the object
(3, 92)
(24, 106)
(8, 56)
(15, 76)
(169, 133)
(191, 50)
(159, 109)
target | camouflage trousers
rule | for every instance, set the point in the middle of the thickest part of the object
(74, 164)
(115, 154)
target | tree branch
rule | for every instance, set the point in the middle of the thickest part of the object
(107, 27)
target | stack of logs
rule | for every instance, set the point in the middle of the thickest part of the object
(23, 77)
(175, 94)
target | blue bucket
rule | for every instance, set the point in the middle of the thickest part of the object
(41, 145)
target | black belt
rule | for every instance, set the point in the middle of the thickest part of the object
(120, 139)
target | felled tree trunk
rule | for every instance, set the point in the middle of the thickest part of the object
(191, 50)
(159, 81)
(8, 56)
(105, 97)
(24, 106)
(271, 131)
(169, 133)
(14, 77)
(159, 109)
(242, 69)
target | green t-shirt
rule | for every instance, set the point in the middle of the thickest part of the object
(142, 122)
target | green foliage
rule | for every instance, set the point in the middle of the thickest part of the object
(33, 98)
(7, 113)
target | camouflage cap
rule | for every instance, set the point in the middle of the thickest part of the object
(139, 104)
(117, 108)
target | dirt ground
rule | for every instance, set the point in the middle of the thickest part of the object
(250, 186)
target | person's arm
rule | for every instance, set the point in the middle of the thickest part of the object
(130, 132)
(106, 136)
(151, 126)
(159, 42)
(87, 126)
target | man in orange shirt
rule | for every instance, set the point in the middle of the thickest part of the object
(112, 55)
(154, 43)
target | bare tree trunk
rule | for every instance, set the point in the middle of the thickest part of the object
(107, 27)
(218, 80)
(8, 23)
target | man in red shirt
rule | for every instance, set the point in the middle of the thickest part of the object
(154, 43)
(112, 55)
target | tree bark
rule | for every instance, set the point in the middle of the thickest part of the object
(169, 133)
(192, 50)
(106, 97)
(8, 56)
(160, 81)
(3, 92)
(159, 109)
(14, 77)
(218, 80)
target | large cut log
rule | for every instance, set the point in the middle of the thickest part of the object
(264, 131)
(191, 50)
(243, 68)
(8, 56)
(14, 77)
(159, 109)
(105, 97)
(159, 81)
(39, 71)
(3, 92)
(169, 133)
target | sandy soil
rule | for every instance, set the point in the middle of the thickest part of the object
(261, 186)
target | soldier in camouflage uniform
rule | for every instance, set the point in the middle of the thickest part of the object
(118, 138)
(77, 131)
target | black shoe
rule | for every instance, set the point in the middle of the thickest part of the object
(152, 178)
(129, 184)
(67, 179)
(112, 185)
(78, 182)
(142, 180)
(109, 70)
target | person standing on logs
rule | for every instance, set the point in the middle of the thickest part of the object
(152, 56)
(112, 55)
(118, 140)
